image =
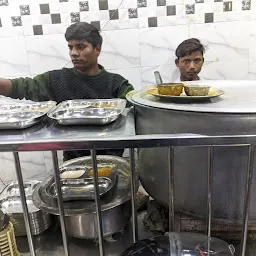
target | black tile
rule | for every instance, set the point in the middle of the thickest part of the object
(199, 1)
(227, 6)
(142, 3)
(38, 30)
(246, 5)
(152, 22)
(103, 4)
(55, 18)
(0, 23)
(75, 17)
(171, 10)
(16, 21)
(83, 6)
(161, 2)
(4, 2)
(209, 18)
(133, 13)
(113, 14)
(96, 24)
(44, 8)
(24, 10)
(190, 9)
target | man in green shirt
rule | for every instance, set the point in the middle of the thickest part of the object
(86, 80)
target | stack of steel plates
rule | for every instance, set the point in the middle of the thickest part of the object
(10, 203)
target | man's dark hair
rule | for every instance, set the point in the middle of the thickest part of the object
(189, 46)
(84, 31)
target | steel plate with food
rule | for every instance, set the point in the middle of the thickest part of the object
(194, 92)
(20, 116)
(88, 112)
(77, 182)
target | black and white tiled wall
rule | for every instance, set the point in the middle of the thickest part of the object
(39, 17)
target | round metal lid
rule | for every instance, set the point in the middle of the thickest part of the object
(239, 97)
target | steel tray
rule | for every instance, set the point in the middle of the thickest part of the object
(20, 116)
(88, 112)
(87, 116)
(82, 189)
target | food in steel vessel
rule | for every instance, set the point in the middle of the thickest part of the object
(196, 89)
(174, 89)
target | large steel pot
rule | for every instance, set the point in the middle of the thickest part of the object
(113, 220)
(233, 113)
(80, 216)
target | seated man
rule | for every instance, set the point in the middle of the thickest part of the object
(190, 59)
(86, 80)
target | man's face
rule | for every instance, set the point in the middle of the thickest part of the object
(83, 55)
(190, 65)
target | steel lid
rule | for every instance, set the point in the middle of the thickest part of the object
(239, 98)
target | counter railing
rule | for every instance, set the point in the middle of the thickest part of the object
(132, 142)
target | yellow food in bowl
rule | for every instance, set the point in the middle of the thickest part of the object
(102, 172)
(196, 90)
(173, 89)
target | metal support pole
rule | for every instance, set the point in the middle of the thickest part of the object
(97, 201)
(171, 188)
(209, 196)
(60, 202)
(133, 196)
(24, 202)
(247, 198)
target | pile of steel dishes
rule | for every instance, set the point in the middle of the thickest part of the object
(180, 244)
(10, 203)
(8, 245)
(78, 194)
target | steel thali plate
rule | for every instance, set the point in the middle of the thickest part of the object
(21, 116)
(88, 112)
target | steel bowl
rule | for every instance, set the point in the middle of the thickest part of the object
(174, 89)
(196, 90)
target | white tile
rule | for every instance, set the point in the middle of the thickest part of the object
(143, 22)
(222, 43)
(123, 14)
(69, 7)
(32, 166)
(118, 54)
(252, 41)
(129, 24)
(252, 69)
(46, 53)
(107, 25)
(161, 11)
(168, 73)
(93, 15)
(11, 32)
(236, 69)
(129, 4)
(53, 29)
(151, 3)
(13, 64)
(133, 75)
(113, 4)
(104, 15)
(158, 47)
(85, 16)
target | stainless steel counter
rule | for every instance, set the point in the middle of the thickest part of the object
(49, 131)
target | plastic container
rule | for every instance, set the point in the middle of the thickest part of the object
(180, 244)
